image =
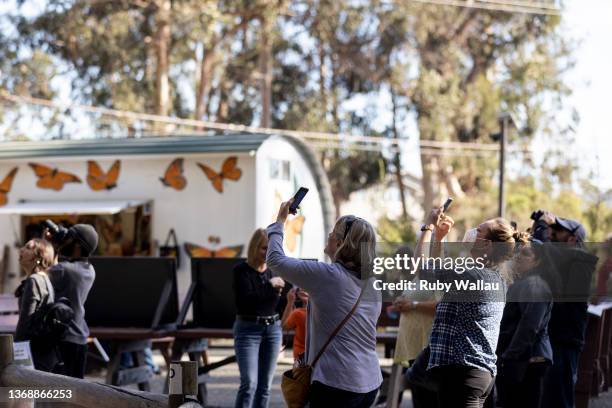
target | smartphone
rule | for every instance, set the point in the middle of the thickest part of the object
(447, 204)
(297, 199)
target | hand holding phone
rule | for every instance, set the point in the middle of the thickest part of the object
(447, 204)
(297, 199)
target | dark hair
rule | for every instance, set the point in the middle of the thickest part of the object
(546, 268)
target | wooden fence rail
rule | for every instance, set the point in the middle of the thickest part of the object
(84, 393)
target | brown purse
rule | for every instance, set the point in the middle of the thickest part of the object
(295, 383)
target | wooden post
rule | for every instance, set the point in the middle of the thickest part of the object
(183, 379)
(6, 350)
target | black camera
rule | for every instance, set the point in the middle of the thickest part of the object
(58, 233)
(536, 215)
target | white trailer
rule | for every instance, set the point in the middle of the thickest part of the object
(214, 191)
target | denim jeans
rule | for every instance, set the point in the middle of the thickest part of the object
(257, 347)
(560, 381)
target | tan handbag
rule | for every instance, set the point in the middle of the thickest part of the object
(295, 383)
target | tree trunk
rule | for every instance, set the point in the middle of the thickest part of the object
(223, 108)
(204, 84)
(397, 161)
(162, 49)
(429, 181)
(265, 71)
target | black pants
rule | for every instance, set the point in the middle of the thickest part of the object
(462, 386)
(74, 357)
(560, 380)
(44, 354)
(423, 398)
(324, 396)
(526, 393)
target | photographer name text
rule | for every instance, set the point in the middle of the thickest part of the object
(442, 286)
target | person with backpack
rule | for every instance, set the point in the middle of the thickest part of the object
(72, 278)
(35, 295)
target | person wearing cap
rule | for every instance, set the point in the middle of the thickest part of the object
(569, 313)
(73, 278)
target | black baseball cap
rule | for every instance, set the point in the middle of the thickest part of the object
(573, 227)
(86, 235)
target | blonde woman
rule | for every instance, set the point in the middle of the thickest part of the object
(35, 258)
(347, 373)
(257, 330)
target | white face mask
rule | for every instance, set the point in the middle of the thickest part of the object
(470, 235)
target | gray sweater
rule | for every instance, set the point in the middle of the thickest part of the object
(73, 280)
(350, 361)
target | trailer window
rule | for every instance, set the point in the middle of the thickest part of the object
(280, 169)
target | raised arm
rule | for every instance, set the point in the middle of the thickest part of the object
(305, 274)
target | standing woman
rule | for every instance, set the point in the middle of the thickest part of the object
(35, 258)
(465, 331)
(257, 330)
(347, 374)
(524, 349)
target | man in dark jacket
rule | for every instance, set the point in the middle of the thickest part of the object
(72, 278)
(569, 314)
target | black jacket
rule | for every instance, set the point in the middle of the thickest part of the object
(73, 280)
(575, 269)
(524, 327)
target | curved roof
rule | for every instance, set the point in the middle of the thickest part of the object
(238, 142)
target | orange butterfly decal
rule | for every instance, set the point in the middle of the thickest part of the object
(52, 179)
(98, 179)
(228, 171)
(196, 251)
(6, 184)
(174, 175)
(293, 229)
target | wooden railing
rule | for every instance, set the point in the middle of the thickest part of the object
(84, 393)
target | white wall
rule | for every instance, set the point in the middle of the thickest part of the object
(195, 213)
(312, 240)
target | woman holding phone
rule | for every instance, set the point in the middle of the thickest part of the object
(462, 359)
(257, 330)
(343, 309)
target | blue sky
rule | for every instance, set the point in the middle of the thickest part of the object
(590, 21)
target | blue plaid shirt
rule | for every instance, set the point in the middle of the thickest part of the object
(466, 326)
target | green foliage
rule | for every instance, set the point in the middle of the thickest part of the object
(398, 231)
(453, 68)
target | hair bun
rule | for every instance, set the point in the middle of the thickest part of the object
(520, 236)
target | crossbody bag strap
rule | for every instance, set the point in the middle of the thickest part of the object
(339, 327)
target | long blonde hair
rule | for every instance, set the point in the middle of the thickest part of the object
(44, 254)
(256, 239)
(358, 248)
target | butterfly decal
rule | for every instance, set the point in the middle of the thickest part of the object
(174, 175)
(99, 180)
(52, 178)
(293, 226)
(196, 251)
(229, 171)
(293, 229)
(5, 186)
